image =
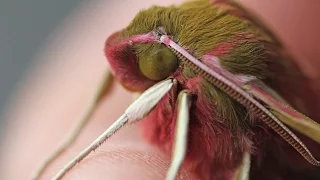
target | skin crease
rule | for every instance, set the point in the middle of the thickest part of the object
(55, 94)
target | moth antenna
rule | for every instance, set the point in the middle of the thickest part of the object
(137, 110)
(103, 88)
(243, 172)
(181, 135)
(243, 97)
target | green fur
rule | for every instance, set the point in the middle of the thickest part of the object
(200, 27)
(233, 114)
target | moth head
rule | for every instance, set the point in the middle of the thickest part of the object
(138, 61)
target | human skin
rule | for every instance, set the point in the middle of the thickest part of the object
(55, 93)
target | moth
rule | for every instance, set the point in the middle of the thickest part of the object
(219, 94)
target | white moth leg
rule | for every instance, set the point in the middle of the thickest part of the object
(243, 172)
(104, 86)
(137, 110)
(181, 133)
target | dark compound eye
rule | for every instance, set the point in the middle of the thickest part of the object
(158, 63)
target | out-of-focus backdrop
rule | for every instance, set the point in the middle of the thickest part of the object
(25, 27)
(62, 43)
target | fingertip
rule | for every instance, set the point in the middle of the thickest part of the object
(127, 162)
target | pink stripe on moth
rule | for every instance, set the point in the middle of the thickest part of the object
(225, 48)
(214, 63)
(166, 40)
(143, 38)
(258, 93)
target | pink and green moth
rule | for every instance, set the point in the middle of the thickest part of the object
(220, 94)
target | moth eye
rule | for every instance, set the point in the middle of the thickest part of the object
(157, 63)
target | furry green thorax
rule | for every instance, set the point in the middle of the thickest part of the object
(201, 27)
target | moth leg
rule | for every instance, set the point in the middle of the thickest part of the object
(103, 89)
(243, 172)
(181, 133)
(136, 111)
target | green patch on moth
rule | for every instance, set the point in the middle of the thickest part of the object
(249, 57)
(233, 114)
(188, 72)
(200, 27)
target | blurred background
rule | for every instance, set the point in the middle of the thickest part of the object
(25, 27)
(51, 62)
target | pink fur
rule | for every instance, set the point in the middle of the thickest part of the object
(214, 151)
(143, 38)
(226, 47)
(123, 62)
